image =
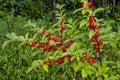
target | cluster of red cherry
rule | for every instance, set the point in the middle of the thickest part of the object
(94, 38)
(59, 43)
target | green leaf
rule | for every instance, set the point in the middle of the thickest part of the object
(74, 47)
(84, 11)
(99, 9)
(84, 74)
(91, 33)
(83, 23)
(6, 43)
(77, 10)
(34, 64)
(45, 67)
(99, 78)
(73, 58)
(66, 60)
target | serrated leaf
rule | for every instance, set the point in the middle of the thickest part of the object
(84, 74)
(45, 67)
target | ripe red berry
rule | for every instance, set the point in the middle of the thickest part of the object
(93, 39)
(43, 45)
(96, 46)
(41, 34)
(64, 48)
(47, 42)
(71, 41)
(69, 58)
(59, 61)
(69, 44)
(84, 54)
(96, 34)
(62, 27)
(96, 26)
(61, 40)
(33, 44)
(63, 19)
(48, 35)
(88, 59)
(94, 60)
(43, 52)
(45, 62)
(82, 3)
(100, 43)
(54, 61)
(90, 4)
(53, 47)
(48, 63)
(91, 19)
(39, 45)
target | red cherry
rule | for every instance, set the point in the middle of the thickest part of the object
(82, 3)
(63, 19)
(53, 47)
(93, 39)
(69, 58)
(61, 30)
(45, 62)
(96, 34)
(90, 4)
(43, 31)
(69, 44)
(61, 40)
(41, 34)
(62, 27)
(96, 46)
(64, 48)
(88, 59)
(54, 61)
(47, 42)
(71, 41)
(43, 45)
(92, 24)
(84, 54)
(48, 63)
(91, 19)
(96, 26)
(59, 61)
(97, 50)
(94, 60)
(43, 52)
(33, 44)
(100, 43)
(48, 35)
(39, 45)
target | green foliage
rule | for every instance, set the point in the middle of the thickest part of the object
(21, 61)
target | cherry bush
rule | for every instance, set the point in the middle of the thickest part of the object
(79, 43)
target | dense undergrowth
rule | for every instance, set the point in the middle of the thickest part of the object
(20, 61)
